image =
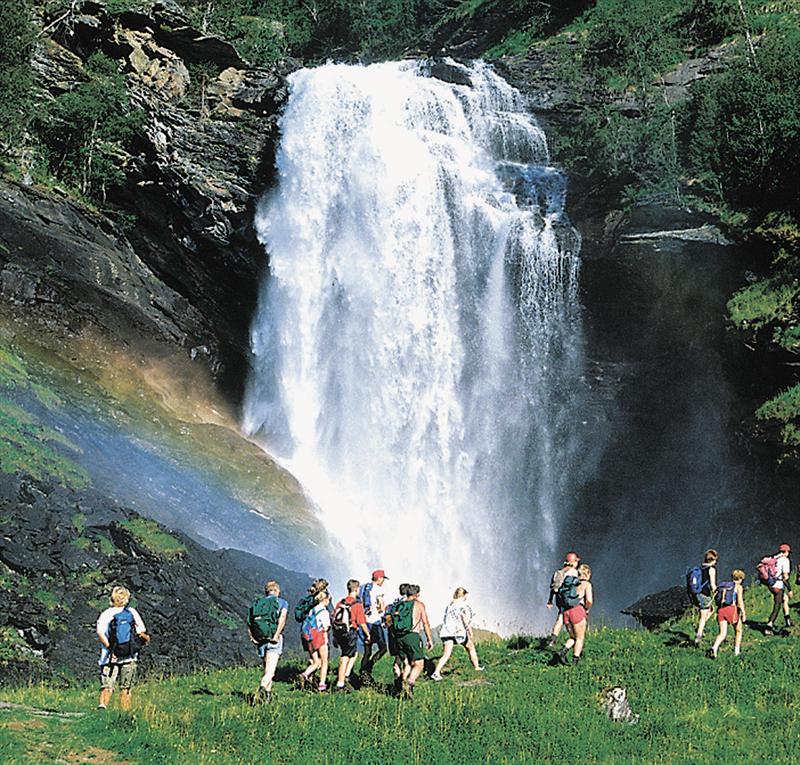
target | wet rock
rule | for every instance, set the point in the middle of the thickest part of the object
(653, 610)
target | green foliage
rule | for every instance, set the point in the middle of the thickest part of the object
(48, 599)
(16, 76)
(152, 537)
(87, 131)
(785, 409)
(764, 302)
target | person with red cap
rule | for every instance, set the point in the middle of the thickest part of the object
(570, 568)
(780, 588)
(373, 600)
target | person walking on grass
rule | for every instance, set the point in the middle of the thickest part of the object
(571, 561)
(348, 622)
(315, 640)
(778, 582)
(702, 585)
(266, 620)
(730, 610)
(398, 663)
(575, 607)
(120, 631)
(457, 630)
(373, 599)
(408, 619)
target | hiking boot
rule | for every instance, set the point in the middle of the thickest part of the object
(302, 681)
(788, 622)
(343, 689)
(577, 659)
(436, 676)
(397, 686)
(562, 656)
(263, 696)
(549, 643)
(480, 669)
(321, 688)
(768, 630)
(712, 654)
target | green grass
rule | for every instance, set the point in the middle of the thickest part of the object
(693, 710)
(153, 538)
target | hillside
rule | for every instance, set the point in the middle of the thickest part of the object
(522, 710)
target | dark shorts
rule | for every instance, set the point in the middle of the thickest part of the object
(410, 647)
(347, 642)
(460, 640)
(703, 601)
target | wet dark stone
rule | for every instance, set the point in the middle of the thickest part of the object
(653, 610)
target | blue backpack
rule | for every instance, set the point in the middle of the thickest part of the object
(726, 594)
(365, 596)
(695, 580)
(122, 635)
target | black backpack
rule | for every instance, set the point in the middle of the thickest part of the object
(303, 608)
(567, 594)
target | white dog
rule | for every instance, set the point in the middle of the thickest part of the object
(617, 706)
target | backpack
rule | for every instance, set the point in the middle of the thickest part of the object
(303, 608)
(567, 593)
(767, 570)
(557, 580)
(401, 619)
(695, 580)
(726, 594)
(309, 624)
(342, 618)
(262, 618)
(122, 635)
(365, 596)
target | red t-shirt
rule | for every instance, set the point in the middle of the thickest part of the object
(357, 615)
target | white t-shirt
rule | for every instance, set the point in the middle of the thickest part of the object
(453, 623)
(374, 615)
(784, 569)
(104, 622)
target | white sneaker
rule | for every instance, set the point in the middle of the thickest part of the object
(436, 676)
(479, 669)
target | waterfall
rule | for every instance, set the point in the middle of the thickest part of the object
(417, 351)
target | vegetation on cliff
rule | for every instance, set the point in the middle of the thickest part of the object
(520, 710)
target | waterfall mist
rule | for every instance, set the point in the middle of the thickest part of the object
(417, 349)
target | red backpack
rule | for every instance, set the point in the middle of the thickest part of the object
(767, 571)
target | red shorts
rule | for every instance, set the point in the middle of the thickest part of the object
(728, 614)
(318, 639)
(574, 615)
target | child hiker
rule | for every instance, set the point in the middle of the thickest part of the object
(730, 610)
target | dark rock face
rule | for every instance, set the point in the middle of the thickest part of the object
(62, 551)
(653, 610)
(204, 157)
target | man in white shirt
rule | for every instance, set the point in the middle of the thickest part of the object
(120, 630)
(780, 588)
(373, 598)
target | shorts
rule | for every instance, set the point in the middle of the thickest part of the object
(728, 614)
(457, 639)
(266, 648)
(777, 587)
(318, 639)
(574, 615)
(348, 643)
(409, 646)
(703, 601)
(122, 675)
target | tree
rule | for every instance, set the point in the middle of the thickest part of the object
(16, 77)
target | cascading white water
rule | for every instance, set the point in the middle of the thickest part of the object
(417, 346)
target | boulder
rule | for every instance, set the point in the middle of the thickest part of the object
(653, 610)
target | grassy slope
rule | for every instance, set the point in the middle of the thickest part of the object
(693, 710)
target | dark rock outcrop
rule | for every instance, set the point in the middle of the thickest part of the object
(61, 551)
(653, 610)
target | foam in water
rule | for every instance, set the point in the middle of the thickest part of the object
(417, 346)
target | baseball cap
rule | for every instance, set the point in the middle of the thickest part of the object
(784, 548)
(571, 557)
(378, 573)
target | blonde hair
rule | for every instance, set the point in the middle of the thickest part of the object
(459, 593)
(585, 570)
(737, 575)
(120, 596)
(711, 555)
(271, 586)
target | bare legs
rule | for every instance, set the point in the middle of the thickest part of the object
(447, 652)
(705, 614)
(318, 661)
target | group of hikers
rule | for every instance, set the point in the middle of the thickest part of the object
(364, 620)
(705, 590)
(367, 620)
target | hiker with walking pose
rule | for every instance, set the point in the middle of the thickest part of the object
(315, 640)
(373, 599)
(730, 610)
(575, 603)
(457, 630)
(266, 620)
(774, 572)
(571, 561)
(701, 584)
(348, 622)
(121, 632)
(409, 617)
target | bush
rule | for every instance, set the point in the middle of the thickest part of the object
(16, 77)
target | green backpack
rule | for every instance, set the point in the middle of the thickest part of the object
(567, 594)
(263, 618)
(402, 618)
